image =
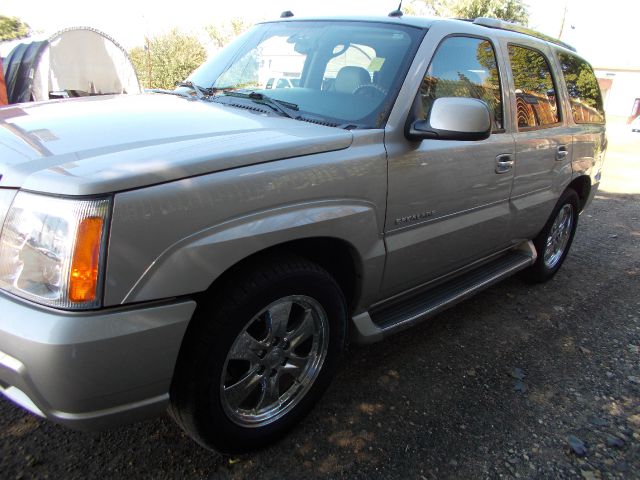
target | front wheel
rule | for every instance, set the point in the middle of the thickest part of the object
(554, 241)
(257, 358)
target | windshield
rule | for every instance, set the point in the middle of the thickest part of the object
(336, 72)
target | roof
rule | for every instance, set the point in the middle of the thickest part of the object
(481, 24)
(420, 22)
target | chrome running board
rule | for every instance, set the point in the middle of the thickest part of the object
(406, 311)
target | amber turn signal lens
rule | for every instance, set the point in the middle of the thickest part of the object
(83, 278)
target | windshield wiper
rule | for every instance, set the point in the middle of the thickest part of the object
(168, 92)
(278, 105)
(201, 92)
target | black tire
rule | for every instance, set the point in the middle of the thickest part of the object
(546, 266)
(199, 401)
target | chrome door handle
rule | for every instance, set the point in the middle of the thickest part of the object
(504, 163)
(562, 152)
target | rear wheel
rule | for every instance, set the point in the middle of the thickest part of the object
(554, 241)
(257, 358)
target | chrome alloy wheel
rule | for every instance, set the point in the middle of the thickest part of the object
(274, 361)
(559, 236)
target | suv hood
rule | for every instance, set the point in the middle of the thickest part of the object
(110, 143)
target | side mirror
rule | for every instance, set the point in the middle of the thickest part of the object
(453, 118)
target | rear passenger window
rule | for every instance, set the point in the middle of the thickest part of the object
(583, 88)
(464, 67)
(535, 91)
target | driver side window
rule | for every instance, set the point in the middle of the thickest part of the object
(464, 67)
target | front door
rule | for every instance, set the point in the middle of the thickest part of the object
(448, 201)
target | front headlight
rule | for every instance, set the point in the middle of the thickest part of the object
(52, 249)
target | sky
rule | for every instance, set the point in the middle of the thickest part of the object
(605, 36)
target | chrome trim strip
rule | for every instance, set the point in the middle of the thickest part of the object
(433, 219)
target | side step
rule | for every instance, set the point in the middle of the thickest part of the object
(407, 311)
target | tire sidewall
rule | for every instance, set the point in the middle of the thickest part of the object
(212, 422)
(540, 271)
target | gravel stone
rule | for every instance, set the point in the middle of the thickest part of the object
(577, 446)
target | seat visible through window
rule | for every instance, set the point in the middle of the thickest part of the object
(350, 78)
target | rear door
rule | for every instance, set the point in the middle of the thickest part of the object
(543, 138)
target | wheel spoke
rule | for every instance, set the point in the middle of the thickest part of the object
(302, 331)
(558, 238)
(246, 348)
(278, 318)
(239, 391)
(285, 345)
(270, 392)
(295, 365)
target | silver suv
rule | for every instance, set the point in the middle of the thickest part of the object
(211, 248)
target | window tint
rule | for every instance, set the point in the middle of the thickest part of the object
(584, 92)
(464, 67)
(535, 91)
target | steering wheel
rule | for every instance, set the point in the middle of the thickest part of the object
(370, 90)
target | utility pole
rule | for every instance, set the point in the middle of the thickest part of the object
(147, 47)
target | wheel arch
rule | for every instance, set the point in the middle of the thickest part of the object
(337, 256)
(582, 186)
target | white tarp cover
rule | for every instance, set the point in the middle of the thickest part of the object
(84, 60)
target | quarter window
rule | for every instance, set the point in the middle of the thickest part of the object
(535, 90)
(464, 67)
(583, 88)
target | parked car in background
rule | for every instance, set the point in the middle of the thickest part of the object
(282, 82)
(212, 248)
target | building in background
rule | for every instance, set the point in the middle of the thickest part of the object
(620, 91)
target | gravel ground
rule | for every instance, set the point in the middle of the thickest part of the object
(521, 381)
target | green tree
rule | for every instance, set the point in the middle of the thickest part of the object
(12, 28)
(222, 33)
(510, 10)
(167, 59)
(531, 73)
(580, 80)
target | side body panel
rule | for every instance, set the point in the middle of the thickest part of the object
(589, 143)
(177, 238)
(589, 148)
(447, 206)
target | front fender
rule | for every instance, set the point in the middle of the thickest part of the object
(191, 264)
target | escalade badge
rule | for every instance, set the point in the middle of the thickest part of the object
(415, 217)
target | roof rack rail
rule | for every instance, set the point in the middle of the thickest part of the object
(514, 27)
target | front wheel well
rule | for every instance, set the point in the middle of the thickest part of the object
(336, 256)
